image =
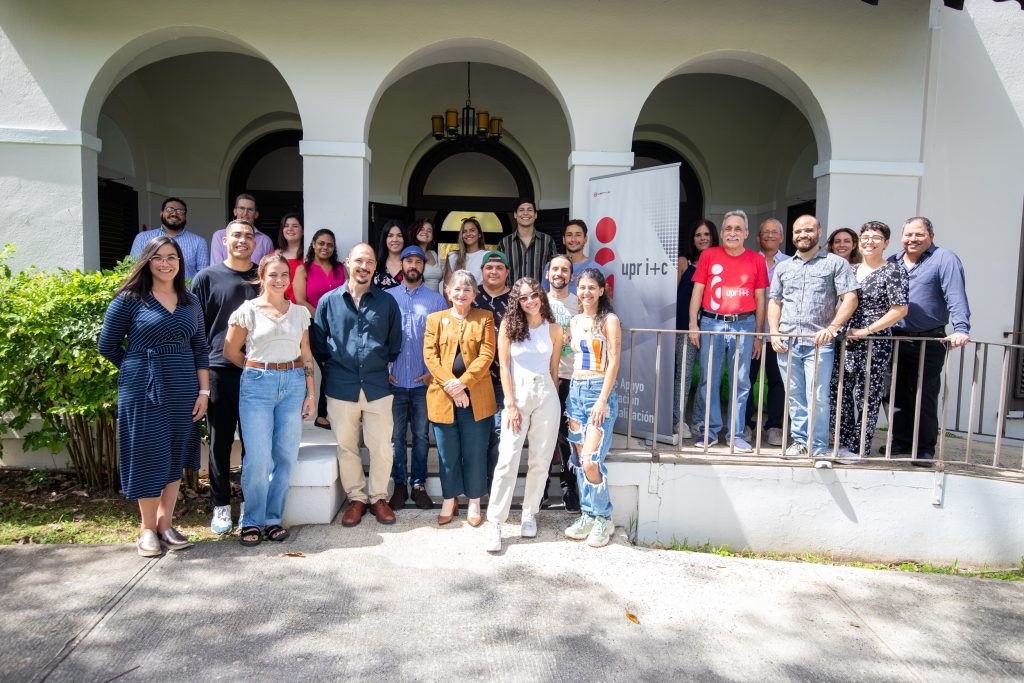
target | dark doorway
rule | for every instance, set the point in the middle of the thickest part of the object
(272, 204)
(119, 221)
(792, 213)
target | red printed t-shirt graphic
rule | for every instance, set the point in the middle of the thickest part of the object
(729, 281)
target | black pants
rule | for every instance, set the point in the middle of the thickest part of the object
(906, 391)
(222, 418)
(776, 389)
(321, 406)
(566, 478)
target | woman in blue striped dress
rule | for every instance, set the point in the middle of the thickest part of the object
(162, 387)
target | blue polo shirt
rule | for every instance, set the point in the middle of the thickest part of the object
(356, 344)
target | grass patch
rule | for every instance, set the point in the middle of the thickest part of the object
(1016, 574)
(41, 506)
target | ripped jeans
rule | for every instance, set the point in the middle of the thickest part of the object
(583, 394)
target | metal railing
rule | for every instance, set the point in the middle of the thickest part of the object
(964, 394)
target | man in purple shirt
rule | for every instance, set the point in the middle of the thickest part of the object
(938, 295)
(409, 378)
(245, 210)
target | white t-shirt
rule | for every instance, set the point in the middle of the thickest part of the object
(271, 340)
(474, 264)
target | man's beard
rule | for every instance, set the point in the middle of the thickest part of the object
(412, 276)
(163, 222)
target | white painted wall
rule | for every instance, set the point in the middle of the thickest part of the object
(851, 513)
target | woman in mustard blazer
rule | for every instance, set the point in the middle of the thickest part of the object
(458, 347)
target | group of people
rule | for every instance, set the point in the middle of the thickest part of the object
(804, 305)
(490, 348)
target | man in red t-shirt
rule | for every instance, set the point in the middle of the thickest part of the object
(728, 296)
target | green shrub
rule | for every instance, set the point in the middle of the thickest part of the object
(49, 326)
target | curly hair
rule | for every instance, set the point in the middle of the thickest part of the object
(514, 323)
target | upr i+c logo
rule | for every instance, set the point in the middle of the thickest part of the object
(605, 233)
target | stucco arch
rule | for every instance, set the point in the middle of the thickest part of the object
(468, 49)
(153, 46)
(773, 75)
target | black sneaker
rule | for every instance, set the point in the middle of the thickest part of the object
(571, 500)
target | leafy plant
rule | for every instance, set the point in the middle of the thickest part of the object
(49, 326)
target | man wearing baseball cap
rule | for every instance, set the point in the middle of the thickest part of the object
(493, 297)
(409, 378)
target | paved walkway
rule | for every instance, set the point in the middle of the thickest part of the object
(414, 602)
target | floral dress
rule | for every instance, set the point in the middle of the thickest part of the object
(882, 289)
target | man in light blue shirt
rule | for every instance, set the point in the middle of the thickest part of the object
(173, 217)
(409, 378)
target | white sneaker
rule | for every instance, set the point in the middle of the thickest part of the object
(742, 446)
(796, 450)
(847, 454)
(822, 464)
(529, 527)
(774, 436)
(580, 529)
(221, 522)
(684, 431)
(601, 532)
(711, 441)
(492, 537)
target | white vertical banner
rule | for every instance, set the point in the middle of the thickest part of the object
(635, 222)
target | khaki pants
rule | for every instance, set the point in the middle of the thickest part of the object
(377, 428)
(537, 400)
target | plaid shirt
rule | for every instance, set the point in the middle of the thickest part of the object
(531, 261)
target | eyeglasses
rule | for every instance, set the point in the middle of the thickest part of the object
(180, 212)
(526, 298)
(872, 238)
(169, 260)
(245, 209)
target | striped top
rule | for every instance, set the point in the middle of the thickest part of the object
(590, 349)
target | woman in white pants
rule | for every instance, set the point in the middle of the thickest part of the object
(529, 347)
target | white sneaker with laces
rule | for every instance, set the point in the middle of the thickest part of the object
(529, 527)
(492, 537)
(221, 522)
(580, 529)
(796, 450)
(601, 532)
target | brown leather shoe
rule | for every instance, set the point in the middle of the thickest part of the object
(398, 498)
(421, 498)
(353, 513)
(446, 519)
(383, 513)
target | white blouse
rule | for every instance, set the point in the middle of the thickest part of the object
(271, 340)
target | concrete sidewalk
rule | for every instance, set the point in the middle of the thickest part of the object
(416, 602)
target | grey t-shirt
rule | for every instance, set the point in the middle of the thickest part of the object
(810, 290)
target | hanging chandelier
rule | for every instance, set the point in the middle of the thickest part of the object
(473, 125)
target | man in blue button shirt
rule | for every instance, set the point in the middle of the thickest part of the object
(357, 333)
(173, 219)
(938, 295)
(409, 379)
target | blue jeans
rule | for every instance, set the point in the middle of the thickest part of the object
(682, 380)
(270, 412)
(409, 405)
(711, 361)
(583, 394)
(462, 454)
(808, 389)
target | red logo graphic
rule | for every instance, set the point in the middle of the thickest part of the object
(605, 233)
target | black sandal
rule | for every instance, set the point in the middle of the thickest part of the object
(322, 425)
(276, 533)
(253, 532)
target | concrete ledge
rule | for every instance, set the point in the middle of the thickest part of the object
(886, 513)
(314, 492)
